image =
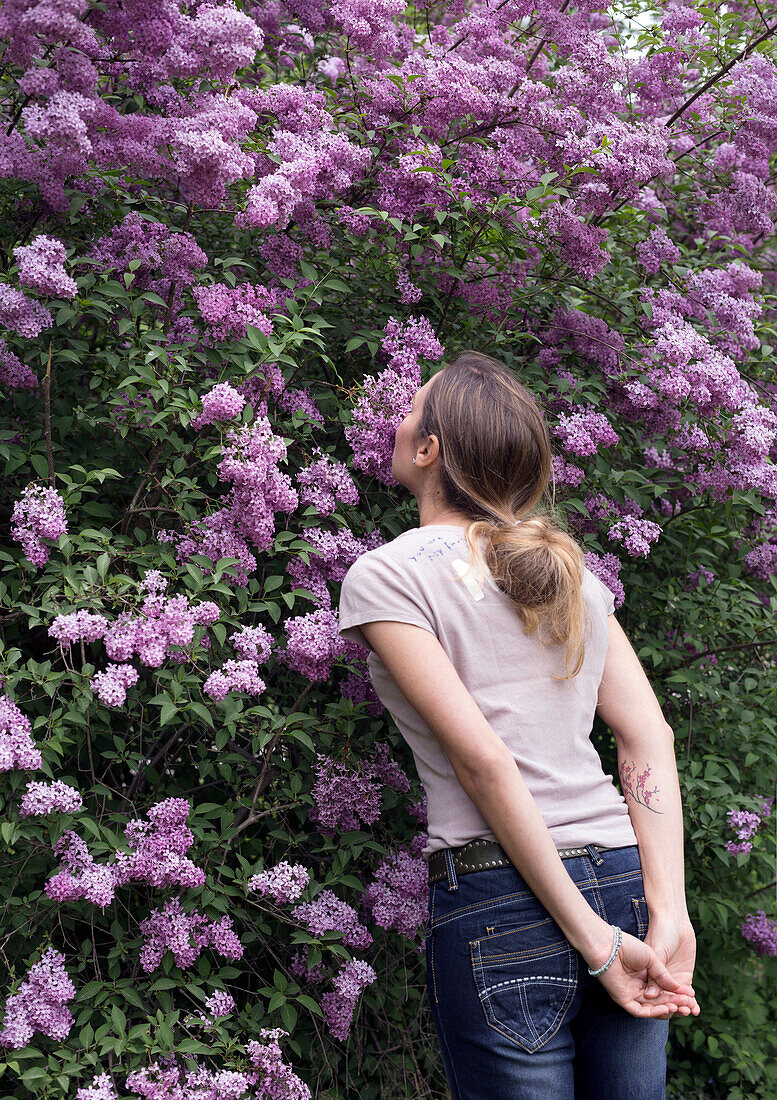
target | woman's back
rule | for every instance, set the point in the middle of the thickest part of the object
(545, 722)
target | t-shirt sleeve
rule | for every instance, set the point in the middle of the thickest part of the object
(377, 589)
(607, 595)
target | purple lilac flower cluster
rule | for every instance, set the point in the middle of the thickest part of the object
(157, 848)
(585, 431)
(79, 877)
(110, 685)
(336, 552)
(254, 645)
(45, 798)
(283, 883)
(38, 514)
(398, 894)
(167, 1080)
(164, 627)
(313, 644)
(220, 403)
(13, 373)
(745, 824)
(20, 314)
(42, 267)
(39, 1004)
(325, 482)
(186, 935)
(761, 932)
(328, 913)
(386, 397)
(251, 456)
(274, 1078)
(162, 260)
(339, 1005)
(344, 798)
(101, 1088)
(17, 748)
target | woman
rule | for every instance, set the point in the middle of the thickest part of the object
(558, 942)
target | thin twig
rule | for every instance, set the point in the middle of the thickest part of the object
(47, 419)
(722, 72)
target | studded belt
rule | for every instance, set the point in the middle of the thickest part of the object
(478, 854)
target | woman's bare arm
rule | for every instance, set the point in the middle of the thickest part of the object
(648, 771)
(488, 773)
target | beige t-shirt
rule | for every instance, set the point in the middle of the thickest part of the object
(545, 723)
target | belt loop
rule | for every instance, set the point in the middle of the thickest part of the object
(595, 856)
(453, 882)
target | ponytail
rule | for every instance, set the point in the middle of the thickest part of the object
(496, 465)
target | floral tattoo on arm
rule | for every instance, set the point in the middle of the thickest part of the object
(634, 783)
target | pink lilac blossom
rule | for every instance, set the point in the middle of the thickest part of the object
(635, 534)
(78, 626)
(251, 456)
(20, 314)
(300, 967)
(283, 883)
(761, 932)
(110, 686)
(166, 1080)
(397, 897)
(17, 748)
(657, 250)
(325, 482)
(228, 310)
(13, 373)
(46, 798)
(234, 676)
(335, 551)
(383, 403)
(220, 403)
(274, 1078)
(186, 935)
(42, 267)
(39, 1004)
(253, 643)
(607, 568)
(157, 848)
(385, 398)
(585, 431)
(313, 645)
(300, 402)
(745, 825)
(328, 913)
(220, 1004)
(79, 877)
(101, 1088)
(339, 1006)
(38, 514)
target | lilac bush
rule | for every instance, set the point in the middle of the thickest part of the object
(237, 237)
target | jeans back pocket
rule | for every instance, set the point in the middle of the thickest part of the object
(526, 980)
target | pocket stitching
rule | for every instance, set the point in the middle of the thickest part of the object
(502, 1028)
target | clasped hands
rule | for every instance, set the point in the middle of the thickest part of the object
(652, 977)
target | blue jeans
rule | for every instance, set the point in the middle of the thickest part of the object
(517, 1015)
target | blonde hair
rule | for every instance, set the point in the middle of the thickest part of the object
(496, 466)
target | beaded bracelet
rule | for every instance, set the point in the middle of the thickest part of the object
(616, 946)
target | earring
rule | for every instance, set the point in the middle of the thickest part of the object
(413, 461)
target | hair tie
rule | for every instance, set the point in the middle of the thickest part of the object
(516, 523)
